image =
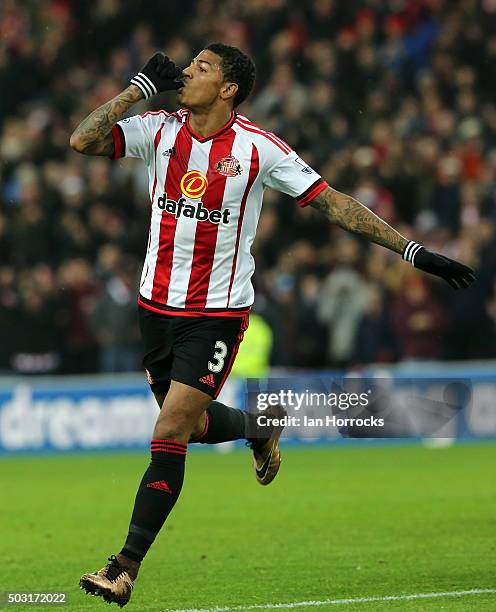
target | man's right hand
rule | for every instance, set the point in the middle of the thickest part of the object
(159, 74)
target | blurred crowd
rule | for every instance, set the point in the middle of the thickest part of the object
(392, 101)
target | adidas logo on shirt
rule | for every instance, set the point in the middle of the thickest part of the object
(198, 211)
(170, 152)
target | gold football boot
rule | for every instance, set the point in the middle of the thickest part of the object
(112, 582)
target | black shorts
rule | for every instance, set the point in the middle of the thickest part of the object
(196, 351)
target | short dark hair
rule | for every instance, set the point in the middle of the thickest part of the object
(237, 68)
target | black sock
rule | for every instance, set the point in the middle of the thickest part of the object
(156, 496)
(222, 424)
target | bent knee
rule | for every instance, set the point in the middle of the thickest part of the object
(172, 427)
(199, 428)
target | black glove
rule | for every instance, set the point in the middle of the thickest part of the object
(159, 74)
(456, 274)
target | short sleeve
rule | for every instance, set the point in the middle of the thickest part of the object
(291, 175)
(133, 137)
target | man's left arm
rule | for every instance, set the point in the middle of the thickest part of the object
(351, 215)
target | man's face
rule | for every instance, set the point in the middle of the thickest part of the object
(203, 81)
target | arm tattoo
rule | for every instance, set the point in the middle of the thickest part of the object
(348, 213)
(93, 134)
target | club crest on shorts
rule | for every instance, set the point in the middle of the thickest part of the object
(229, 166)
(149, 377)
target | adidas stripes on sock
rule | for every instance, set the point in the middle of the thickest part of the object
(157, 493)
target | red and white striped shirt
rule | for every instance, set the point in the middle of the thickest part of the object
(206, 196)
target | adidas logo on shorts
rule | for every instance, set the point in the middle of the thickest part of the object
(208, 379)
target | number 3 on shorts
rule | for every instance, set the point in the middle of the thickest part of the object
(220, 353)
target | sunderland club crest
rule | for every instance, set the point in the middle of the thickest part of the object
(229, 166)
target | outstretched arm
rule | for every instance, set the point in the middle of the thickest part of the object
(348, 213)
(93, 135)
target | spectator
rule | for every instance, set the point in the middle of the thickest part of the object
(252, 360)
(76, 303)
(375, 341)
(419, 321)
(115, 323)
(341, 304)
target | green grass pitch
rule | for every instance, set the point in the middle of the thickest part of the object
(337, 523)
